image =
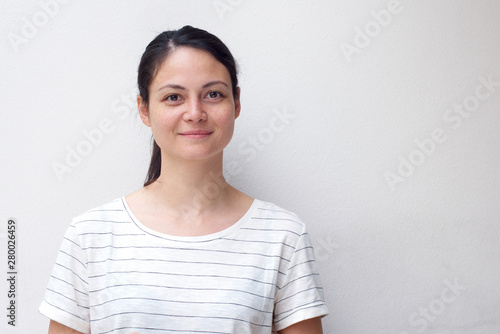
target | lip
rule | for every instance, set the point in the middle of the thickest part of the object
(196, 133)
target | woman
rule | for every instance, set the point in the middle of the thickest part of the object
(188, 253)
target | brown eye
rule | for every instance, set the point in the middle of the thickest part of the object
(173, 98)
(214, 95)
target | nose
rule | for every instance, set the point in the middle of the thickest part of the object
(195, 111)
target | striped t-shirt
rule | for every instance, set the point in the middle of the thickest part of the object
(115, 275)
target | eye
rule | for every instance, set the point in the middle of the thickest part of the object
(214, 95)
(173, 98)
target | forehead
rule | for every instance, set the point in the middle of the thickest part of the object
(187, 65)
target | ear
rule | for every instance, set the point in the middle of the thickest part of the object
(143, 110)
(237, 104)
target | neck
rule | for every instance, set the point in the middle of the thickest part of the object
(194, 186)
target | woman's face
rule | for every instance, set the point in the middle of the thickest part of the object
(191, 109)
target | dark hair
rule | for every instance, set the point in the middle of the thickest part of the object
(156, 53)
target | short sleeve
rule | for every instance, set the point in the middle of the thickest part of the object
(66, 297)
(300, 296)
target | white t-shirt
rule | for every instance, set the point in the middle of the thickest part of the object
(115, 275)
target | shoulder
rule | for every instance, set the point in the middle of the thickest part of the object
(100, 226)
(111, 212)
(276, 217)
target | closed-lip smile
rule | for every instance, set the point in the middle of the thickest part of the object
(196, 133)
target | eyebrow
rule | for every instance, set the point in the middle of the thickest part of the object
(208, 84)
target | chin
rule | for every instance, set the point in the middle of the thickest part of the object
(200, 156)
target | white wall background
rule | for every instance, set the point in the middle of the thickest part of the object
(417, 254)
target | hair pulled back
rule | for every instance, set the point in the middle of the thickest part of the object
(155, 54)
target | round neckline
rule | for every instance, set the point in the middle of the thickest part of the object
(198, 238)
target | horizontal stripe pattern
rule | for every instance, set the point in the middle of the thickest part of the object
(117, 276)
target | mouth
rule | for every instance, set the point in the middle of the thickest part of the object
(196, 133)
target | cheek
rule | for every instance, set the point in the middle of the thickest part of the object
(228, 128)
(226, 121)
(227, 116)
(161, 125)
(162, 120)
